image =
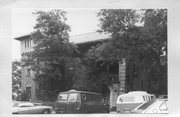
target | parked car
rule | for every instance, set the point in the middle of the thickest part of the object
(152, 106)
(129, 101)
(80, 102)
(20, 107)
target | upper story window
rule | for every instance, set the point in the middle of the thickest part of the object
(28, 73)
(28, 43)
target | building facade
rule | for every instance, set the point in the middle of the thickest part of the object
(28, 83)
(84, 43)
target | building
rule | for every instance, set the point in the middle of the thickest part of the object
(84, 43)
(28, 84)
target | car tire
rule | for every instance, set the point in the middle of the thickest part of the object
(46, 111)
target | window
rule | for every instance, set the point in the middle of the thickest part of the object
(28, 72)
(26, 105)
(127, 99)
(120, 100)
(144, 98)
(146, 105)
(28, 43)
(72, 97)
(28, 90)
(163, 107)
(149, 97)
(63, 97)
(25, 43)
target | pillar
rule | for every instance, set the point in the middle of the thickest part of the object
(122, 76)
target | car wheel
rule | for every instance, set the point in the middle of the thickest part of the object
(46, 112)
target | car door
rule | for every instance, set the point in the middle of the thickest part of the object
(25, 108)
(35, 110)
(72, 103)
(62, 103)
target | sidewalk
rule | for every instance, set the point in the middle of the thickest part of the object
(113, 112)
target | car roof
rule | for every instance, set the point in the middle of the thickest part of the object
(135, 93)
(74, 91)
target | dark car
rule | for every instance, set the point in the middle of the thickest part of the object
(80, 102)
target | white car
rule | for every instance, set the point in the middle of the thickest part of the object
(158, 106)
(19, 107)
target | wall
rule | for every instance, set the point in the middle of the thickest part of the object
(27, 81)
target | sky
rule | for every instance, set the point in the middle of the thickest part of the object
(23, 20)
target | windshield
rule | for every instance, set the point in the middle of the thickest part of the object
(72, 97)
(63, 97)
(126, 99)
(146, 105)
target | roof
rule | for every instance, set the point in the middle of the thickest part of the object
(22, 37)
(81, 38)
(89, 37)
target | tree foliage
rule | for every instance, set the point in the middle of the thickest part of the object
(16, 80)
(52, 52)
(139, 36)
(122, 25)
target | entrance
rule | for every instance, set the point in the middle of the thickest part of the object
(106, 93)
(28, 91)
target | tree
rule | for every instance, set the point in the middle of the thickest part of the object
(155, 34)
(121, 24)
(16, 80)
(142, 46)
(52, 53)
(125, 34)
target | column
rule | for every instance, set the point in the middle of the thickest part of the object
(122, 76)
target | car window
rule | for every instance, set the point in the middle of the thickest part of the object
(120, 100)
(26, 105)
(72, 97)
(163, 106)
(144, 98)
(146, 105)
(127, 99)
(63, 97)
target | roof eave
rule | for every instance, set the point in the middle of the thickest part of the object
(22, 37)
